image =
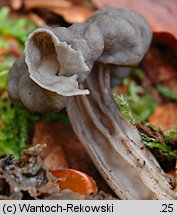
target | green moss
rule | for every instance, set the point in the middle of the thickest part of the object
(134, 106)
(164, 149)
(17, 28)
(13, 129)
(15, 125)
(171, 134)
(137, 106)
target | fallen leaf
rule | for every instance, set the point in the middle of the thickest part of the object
(172, 173)
(73, 11)
(13, 47)
(53, 155)
(68, 150)
(61, 136)
(121, 89)
(159, 69)
(164, 116)
(16, 4)
(75, 180)
(161, 14)
(73, 14)
(77, 157)
(37, 19)
(45, 4)
(3, 52)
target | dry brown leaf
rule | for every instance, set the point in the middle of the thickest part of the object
(64, 146)
(73, 14)
(159, 69)
(3, 52)
(46, 4)
(76, 181)
(37, 19)
(74, 153)
(73, 11)
(53, 155)
(12, 49)
(161, 14)
(16, 4)
(164, 116)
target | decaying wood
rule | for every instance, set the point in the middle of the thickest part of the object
(26, 176)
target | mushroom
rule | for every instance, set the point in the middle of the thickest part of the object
(59, 59)
(113, 144)
(61, 66)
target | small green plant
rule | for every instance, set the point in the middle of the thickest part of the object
(167, 93)
(15, 123)
(18, 28)
(135, 107)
